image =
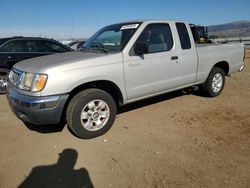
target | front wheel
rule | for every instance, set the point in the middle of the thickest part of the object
(3, 80)
(91, 113)
(215, 82)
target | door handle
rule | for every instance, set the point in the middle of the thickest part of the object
(13, 58)
(174, 57)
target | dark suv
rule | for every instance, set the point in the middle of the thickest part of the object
(15, 49)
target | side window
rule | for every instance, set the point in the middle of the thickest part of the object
(48, 46)
(43, 47)
(13, 46)
(183, 35)
(30, 46)
(56, 47)
(158, 38)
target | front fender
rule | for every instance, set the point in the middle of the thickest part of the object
(66, 81)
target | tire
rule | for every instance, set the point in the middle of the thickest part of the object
(91, 113)
(215, 82)
(3, 80)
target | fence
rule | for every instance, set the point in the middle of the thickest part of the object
(245, 40)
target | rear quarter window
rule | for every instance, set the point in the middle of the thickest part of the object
(183, 35)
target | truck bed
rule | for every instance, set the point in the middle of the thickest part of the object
(233, 54)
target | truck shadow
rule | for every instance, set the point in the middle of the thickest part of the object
(133, 106)
(158, 99)
(46, 128)
(61, 174)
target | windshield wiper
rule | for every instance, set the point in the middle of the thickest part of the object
(82, 49)
(103, 49)
(94, 48)
(97, 47)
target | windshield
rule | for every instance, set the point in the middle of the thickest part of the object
(2, 41)
(112, 38)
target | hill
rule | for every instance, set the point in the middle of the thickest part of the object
(233, 29)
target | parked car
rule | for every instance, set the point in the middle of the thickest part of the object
(76, 44)
(15, 49)
(120, 64)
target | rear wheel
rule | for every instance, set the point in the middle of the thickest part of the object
(215, 82)
(91, 113)
(3, 80)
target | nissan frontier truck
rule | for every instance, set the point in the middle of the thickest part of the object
(120, 64)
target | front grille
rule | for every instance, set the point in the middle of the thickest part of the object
(15, 76)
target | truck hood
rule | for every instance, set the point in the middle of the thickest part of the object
(44, 63)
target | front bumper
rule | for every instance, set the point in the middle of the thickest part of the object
(36, 110)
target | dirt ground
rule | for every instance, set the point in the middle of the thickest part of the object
(176, 140)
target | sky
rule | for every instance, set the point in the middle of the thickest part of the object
(62, 19)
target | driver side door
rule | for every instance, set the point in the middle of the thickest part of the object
(158, 69)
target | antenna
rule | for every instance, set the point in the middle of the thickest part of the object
(72, 21)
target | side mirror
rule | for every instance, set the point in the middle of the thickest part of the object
(140, 48)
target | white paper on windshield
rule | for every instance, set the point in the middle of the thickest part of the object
(130, 26)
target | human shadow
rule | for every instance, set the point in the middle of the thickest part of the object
(61, 174)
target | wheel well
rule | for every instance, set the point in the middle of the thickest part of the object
(2, 69)
(224, 66)
(104, 85)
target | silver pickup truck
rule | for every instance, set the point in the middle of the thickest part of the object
(120, 64)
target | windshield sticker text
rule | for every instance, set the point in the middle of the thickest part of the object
(131, 26)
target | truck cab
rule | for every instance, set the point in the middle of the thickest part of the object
(160, 51)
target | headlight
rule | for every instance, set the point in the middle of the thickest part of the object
(27, 80)
(32, 82)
